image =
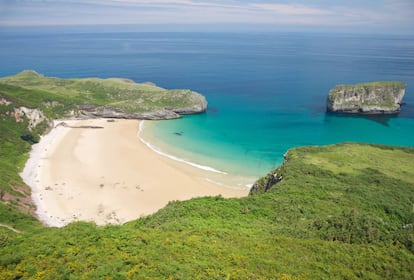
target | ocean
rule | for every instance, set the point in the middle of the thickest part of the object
(266, 91)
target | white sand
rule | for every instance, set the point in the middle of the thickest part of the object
(108, 175)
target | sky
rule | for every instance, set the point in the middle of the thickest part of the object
(376, 16)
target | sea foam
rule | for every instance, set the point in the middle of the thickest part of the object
(158, 151)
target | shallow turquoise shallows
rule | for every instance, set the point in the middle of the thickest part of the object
(266, 91)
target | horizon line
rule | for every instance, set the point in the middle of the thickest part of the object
(192, 28)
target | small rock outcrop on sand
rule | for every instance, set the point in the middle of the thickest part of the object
(367, 98)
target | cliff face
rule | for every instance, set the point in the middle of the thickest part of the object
(198, 105)
(367, 98)
(162, 114)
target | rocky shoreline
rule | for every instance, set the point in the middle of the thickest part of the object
(92, 111)
(119, 114)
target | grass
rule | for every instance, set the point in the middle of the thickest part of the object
(319, 222)
(365, 191)
(391, 84)
(355, 159)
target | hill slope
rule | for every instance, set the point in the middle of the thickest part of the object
(339, 212)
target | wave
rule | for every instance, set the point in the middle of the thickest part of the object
(158, 151)
(239, 185)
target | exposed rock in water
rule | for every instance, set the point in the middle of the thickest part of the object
(367, 98)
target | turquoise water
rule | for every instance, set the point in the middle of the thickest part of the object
(255, 144)
(266, 91)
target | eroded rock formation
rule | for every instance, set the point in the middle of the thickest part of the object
(367, 98)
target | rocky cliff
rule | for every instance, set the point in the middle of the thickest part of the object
(198, 105)
(367, 98)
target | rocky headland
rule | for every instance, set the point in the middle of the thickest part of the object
(367, 98)
(94, 98)
(199, 105)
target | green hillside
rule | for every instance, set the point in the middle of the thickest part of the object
(59, 97)
(342, 211)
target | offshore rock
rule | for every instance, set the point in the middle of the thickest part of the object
(367, 98)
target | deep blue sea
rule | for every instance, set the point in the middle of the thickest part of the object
(266, 91)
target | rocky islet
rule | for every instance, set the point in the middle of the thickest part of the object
(383, 97)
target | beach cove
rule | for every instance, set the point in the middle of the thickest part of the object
(99, 170)
(273, 102)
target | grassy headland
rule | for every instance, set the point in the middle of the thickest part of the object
(334, 212)
(67, 97)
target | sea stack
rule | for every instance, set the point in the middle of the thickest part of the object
(383, 97)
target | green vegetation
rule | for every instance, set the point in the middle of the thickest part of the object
(391, 84)
(333, 212)
(340, 212)
(370, 187)
(58, 97)
(382, 97)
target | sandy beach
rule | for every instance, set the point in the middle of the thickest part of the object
(99, 170)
